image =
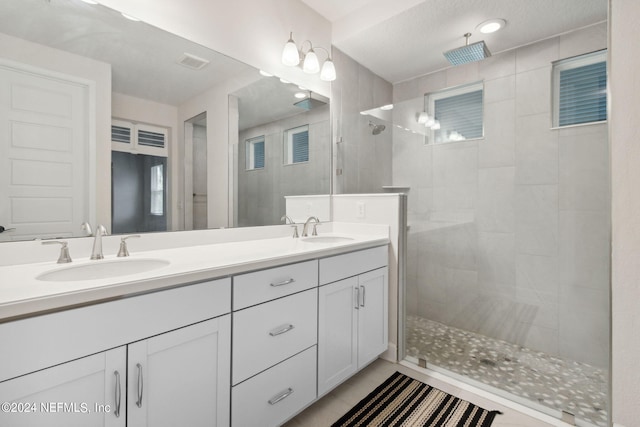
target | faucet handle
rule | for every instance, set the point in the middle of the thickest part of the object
(315, 232)
(85, 226)
(64, 257)
(123, 251)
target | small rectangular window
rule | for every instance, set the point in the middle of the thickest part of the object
(580, 90)
(296, 145)
(254, 153)
(456, 114)
(157, 190)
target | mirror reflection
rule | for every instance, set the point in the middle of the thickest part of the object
(283, 149)
(115, 122)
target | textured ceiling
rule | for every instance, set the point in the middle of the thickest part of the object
(408, 42)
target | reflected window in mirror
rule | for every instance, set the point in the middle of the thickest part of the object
(296, 145)
(255, 153)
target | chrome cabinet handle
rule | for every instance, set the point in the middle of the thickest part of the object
(286, 282)
(363, 295)
(281, 330)
(281, 396)
(140, 385)
(118, 394)
(357, 289)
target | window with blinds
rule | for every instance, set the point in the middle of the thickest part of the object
(457, 113)
(296, 145)
(139, 138)
(254, 153)
(580, 90)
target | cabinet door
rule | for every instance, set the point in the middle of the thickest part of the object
(182, 378)
(337, 333)
(86, 392)
(372, 315)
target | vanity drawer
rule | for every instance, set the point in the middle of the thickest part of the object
(277, 394)
(271, 332)
(265, 285)
(351, 264)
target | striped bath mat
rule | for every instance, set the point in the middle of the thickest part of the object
(403, 401)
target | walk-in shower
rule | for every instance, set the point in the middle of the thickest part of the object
(508, 236)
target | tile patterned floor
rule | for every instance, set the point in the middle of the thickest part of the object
(336, 403)
(560, 384)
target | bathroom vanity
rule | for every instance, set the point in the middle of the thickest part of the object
(207, 340)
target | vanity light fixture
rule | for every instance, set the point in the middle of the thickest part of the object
(291, 57)
(491, 26)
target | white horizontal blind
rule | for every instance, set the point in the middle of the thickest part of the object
(254, 153)
(296, 145)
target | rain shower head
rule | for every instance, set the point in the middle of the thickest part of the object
(468, 53)
(312, 101)
(377, 129)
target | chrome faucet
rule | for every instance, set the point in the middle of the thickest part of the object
(306, 226)
(85, 226)
(288, 220)
(96, 253)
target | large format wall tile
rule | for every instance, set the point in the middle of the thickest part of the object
(537, 219)
(536, 150)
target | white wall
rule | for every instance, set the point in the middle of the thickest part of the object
(251, 31)
(625, 176)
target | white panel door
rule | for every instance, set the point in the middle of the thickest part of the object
(372, 316)
(86, 392)
(337, 333)
(43, 155)
(182, 378)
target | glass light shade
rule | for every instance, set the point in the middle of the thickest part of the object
(290, 55)
(328, 73)
(311, 64)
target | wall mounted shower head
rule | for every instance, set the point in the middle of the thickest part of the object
(376, 129)
(468, 53)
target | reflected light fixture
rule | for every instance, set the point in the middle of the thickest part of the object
(300, 95)
(291, 57)
(90, 1)
(266, 74)
(130, 18)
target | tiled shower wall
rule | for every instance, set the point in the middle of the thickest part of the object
(509, 234)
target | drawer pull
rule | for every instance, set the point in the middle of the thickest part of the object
(281, 330)
(286, 282)
(281, 396)
(363, 295)
(118, 394)
(140, 386)
(357, 290)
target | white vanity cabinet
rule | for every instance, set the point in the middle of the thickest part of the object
(353, 314)
(88, 392)
(162, 359)
(274, 344)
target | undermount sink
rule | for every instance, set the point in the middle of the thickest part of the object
(102, 269)
(326, 239)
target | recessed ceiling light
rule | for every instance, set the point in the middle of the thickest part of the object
(387, 107)
(491, 26)
(300, 95)
(264, 73)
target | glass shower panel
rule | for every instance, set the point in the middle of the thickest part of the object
(507, 269)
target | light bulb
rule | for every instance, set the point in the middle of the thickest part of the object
(311, 64)
(328, 73)
(290, 55)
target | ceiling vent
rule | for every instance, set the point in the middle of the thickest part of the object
(192, 61)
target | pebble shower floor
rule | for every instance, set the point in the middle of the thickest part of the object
(560, 384)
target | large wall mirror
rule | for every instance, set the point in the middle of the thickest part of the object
(113, 121)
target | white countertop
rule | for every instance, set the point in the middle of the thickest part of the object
(21, 294)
